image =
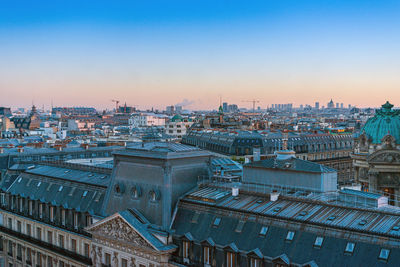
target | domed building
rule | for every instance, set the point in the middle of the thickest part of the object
(376, 156)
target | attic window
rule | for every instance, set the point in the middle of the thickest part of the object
(318, 241)
(91, 175)
(67, 171)
(289, 236)
(350, 248)
(240, 226)
(263, 231)
(195, 217)
(277, 209)
(331, 218)
(396, 228)
(84, 194)
(60, 188)
(362, 222)
(384, 254)
(217, 221)
(303, 213)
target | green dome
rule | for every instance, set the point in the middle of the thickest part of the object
(386, 121)
(177, 118)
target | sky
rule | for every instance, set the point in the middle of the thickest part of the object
(158, 53)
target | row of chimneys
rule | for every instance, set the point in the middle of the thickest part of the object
(20, 149)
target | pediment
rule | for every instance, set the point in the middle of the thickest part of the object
(116, 228)
(385, 156)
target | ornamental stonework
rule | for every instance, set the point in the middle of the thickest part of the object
(119, 230)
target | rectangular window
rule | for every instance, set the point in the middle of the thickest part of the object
(255, 262)
(10, 224)
(185, 249)
(63, 217)
(49, 261)
(28, 256)
(230, 259)
(107, 259)
(19, 226)
(38, 233)
(30, 207)
(318, 241)
(124, 263)
(87, 250)
(350, 248)
(50, 237)
(3, 199)
(75, 220)
(40, 210)
(88, 220)
(290, 236)
(51, 214)
(73, 245)
(206, 255)
(21, 208)
(61, 241)
(19, 252)
(28, 229)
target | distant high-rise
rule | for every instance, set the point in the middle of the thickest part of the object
(337, 105)
(316, 105)
(341, 105)
(225, 107)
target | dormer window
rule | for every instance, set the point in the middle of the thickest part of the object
(63, 217)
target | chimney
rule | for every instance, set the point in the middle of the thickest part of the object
(59, 148)
(274, 196)
(85, 146)
(1, 150)
(20, 149)
(235, 191)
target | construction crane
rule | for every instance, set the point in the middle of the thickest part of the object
(254, 101)
(116, 104)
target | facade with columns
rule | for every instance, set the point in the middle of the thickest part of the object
(376, 157)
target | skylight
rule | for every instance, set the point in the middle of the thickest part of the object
(217, 221)
(384, 254)
(39, 183)
(350, 247)
(290, 236)
(264, 231)
(362, 222)
(240, 226)
(318, 241)
(303, 213)
(60, 188)
(84, 194)
(277, 209)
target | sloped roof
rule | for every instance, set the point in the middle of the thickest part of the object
(292, 164)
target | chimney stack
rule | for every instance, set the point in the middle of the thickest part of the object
(274, 196)
(235, 191)
(20, 149)
(1, 150)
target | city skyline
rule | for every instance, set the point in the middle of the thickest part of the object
(157, 54)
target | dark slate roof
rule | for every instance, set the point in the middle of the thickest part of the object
(75, 196)
(292, 164)
(273, 245)
(162, 147)
(78, 176)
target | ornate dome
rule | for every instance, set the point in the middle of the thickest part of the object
(385, 122)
